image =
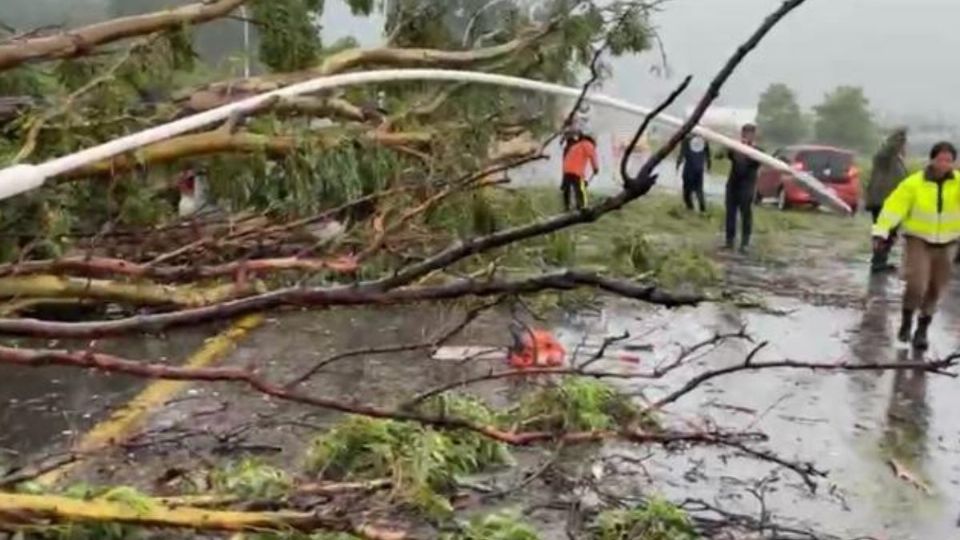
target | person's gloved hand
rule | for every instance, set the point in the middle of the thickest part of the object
(879, 243)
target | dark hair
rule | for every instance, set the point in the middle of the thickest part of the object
(942, 147)
(748, 127)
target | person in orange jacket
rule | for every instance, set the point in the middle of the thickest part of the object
(579, 151)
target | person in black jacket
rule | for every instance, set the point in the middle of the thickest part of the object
(695, 158)
(741, 189)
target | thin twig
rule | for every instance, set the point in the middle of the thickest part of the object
(938, 367)
(433, 343)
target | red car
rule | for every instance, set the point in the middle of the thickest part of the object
(833, 166)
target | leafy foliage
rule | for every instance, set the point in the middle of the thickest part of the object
(779, 116)
(499, 526)
(575, 404)
(289, 33)
(632, 32)
(125, 495)
(323, 173)
(250, 479)
(657, 520)
(316, 176)
(844, 119)
(422, 462)
(23, 81)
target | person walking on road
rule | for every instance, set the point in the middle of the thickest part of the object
(695, 158)
(580, 151)
(888, 170)
(741, 190)
(926, 206)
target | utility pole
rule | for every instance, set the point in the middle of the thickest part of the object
(246, 42)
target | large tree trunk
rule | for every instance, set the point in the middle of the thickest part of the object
(221, 93)
(81, 40)
(35, 509)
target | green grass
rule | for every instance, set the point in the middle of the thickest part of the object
(654, 238)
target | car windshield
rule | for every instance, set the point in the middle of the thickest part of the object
(826, 165)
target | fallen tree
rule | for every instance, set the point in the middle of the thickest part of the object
(431, 221)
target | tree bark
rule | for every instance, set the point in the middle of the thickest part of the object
(221, 141)
(221, 93)
(49, 286)
(400, 57)
(24, 510)
(104, 266)
(82, 40)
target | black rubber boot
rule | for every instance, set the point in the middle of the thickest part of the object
(879, 262)
(906, 326)
(920, 341)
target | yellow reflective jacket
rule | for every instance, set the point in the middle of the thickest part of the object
(924, 208)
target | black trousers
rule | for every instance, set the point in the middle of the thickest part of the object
(574, 188)
(739, 200)
(693, 187)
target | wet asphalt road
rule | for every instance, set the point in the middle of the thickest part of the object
(854, 425)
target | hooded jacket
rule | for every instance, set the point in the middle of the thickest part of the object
(888, 171)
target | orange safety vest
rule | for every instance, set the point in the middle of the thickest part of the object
(578, 155)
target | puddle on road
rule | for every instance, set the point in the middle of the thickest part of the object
(850, 424)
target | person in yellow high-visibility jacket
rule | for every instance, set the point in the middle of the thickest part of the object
(926, 205)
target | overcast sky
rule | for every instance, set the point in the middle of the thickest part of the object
(900, 51)
(890, 47)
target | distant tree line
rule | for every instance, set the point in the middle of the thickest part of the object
(842, 119)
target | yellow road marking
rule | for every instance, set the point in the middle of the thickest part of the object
(125, 420)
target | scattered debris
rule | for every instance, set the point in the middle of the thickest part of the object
(903, 473)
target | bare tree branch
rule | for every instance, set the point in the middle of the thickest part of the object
(937, 367)
(112, 364)
(344, 296)
(713, 91)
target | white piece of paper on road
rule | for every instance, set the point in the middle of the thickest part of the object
(463, 353)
